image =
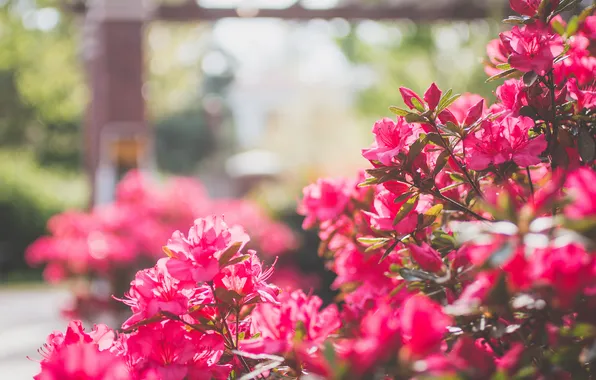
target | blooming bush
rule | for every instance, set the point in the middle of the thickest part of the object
(112, 241)
(467, 250)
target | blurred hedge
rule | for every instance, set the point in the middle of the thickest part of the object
(29, 196)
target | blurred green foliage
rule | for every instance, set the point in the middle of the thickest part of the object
(182, 140)
(29, 196)
(42, 88)
(415, 55)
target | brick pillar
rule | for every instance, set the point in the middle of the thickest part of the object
(116, 132)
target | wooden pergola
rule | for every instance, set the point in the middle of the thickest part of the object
(117, 135)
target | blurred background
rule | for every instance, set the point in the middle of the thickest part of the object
(253, 98)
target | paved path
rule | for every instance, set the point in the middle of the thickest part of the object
(27, 316)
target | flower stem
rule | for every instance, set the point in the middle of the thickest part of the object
(530, 181)
(459, 164)
(459, 206)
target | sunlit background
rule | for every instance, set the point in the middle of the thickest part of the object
(252, 107)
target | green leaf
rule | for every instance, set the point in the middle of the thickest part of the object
(583, 330)
(430, 216)
(558, 27)
(530, 78)
(587, 12)
(502, 74)
(405, 209)
(515, 20)
(238, 259)
(403, 197)
(390, 249)
(418, 105)
(368, 182)
(365, 240)
(503, 66)
(373, 243)
(450, 101)
(528, 111)
(399, 111)
(457, 177)
(411, 275)
(415, 118)
(227, 255)
(525, 373)
(227, 296)
(329, 354)
(441, 162)
(435, 138)
(572, 26)
(445, 97)
(580, 225)
(416, 148)
(586, 145)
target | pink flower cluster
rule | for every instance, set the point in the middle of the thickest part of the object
(209, 297)
(130, 232)
(466, 250)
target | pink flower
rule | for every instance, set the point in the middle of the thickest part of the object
(324, 200)
(423, 326)
(586, 98)
(529, 7)
(512, 95)
(378, 337)
(391, 138)
(477, 291)
(532, 48)
(83, 361)
(509, 363)
(172, 352)
(408, 95)
(432, 96)
(467, 106)
(154, 290)
(567, 269)
(497, 54)
(296, 322)
(580, 187)
(427, 258)
(81, 355)
(195, 258)
(247, 282)
(524, 151)
(507, 140)
(486, 147)
(385, 210)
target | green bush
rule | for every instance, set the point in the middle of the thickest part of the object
(29, 196)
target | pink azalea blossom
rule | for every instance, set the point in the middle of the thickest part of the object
(423, 325)
(580, 186)
(153, 291)
(296, 322)
(248, 280)
(426, 257)
(391, 138)
(529, 7)
(172, 352)
(324, 200)
(532, 48)
(194, 258)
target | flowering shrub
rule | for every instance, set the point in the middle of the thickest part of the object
(465, 252)
(113, 241)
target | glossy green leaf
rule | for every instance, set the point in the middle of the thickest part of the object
(405, 209)
(502, 74)
(399, 111)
